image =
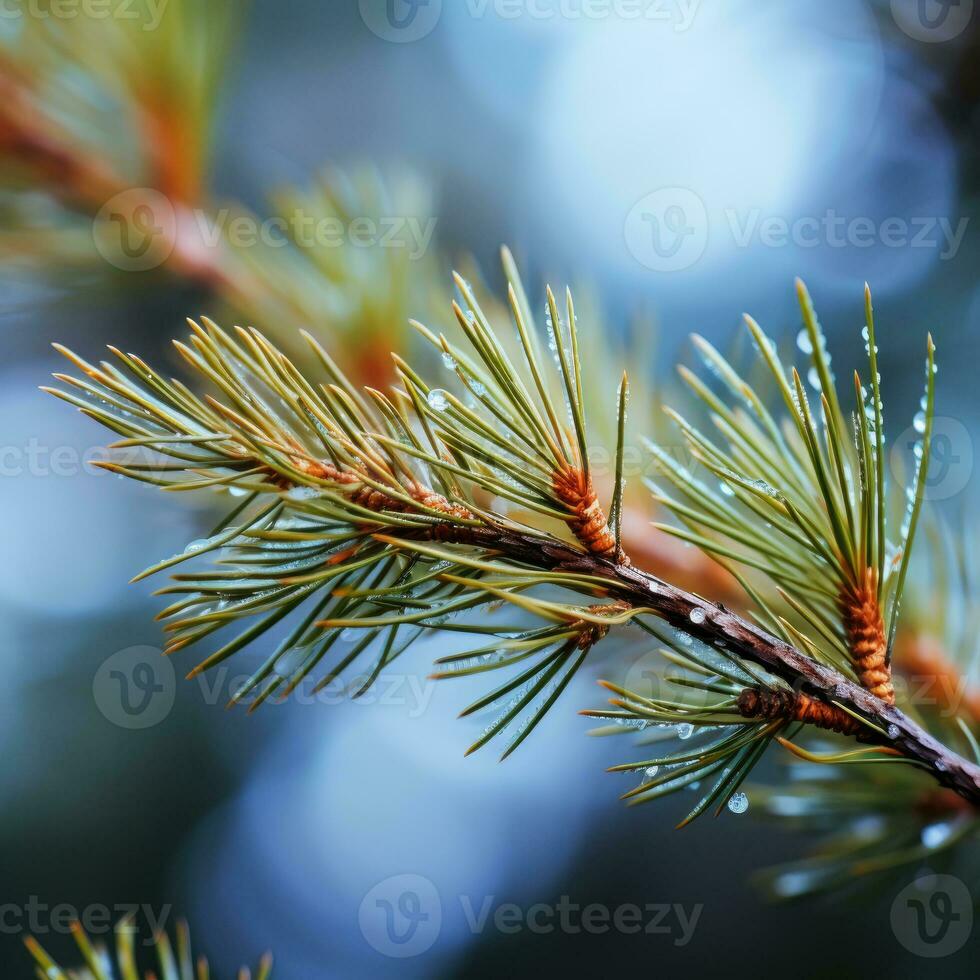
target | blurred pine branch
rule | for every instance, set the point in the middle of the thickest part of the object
(173, 963)
(106, 131)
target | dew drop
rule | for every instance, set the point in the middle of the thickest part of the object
(438, 400)
(919, 422)
(738, 803)
(813, 377)
(351, 635)
(792, 883)
(803, 342)
(696, 615)
(935, 835)
(302, 493)
(196, 545)
(449, 360)
(685, 730)
(893, 731)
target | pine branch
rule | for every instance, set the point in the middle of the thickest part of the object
(382, 514)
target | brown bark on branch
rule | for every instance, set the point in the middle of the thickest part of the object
(721, 627)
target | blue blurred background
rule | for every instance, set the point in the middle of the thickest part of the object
(686, 164)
